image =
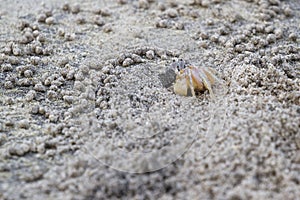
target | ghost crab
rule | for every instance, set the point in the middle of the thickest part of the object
(190, 79)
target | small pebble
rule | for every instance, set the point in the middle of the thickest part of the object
(103, 105)
(48, 13)
(136, 58)
(29, 35)
(288, 11)
(35, 33)
(271, 38)
(274, 2)
(20, 149)
(35, 26)
(53, 118)
(144, 4)
(269, 29)
(160, 52)
(214, 38)
(107, 28)
(24, 124)
(22, 24)
(24, 40)
(8, 85)
(63, 61)
(171, 12)
(28, 73)
(161, 6)
(56, 83)
(23, 82)
(164, 57)
(278, 33)
(7, 50)
(47, 51)
(99, 21)
(61, 32)
(203, 44)
(70, 37)
(79, 76)
(68, 99)
(42, 110)
(222, 40)
(75, 9)
(122, 2)
(78, 85)
(239, 48)
(210, 22)
(163, 23)
(173, 4)
(39, 87)
(9, 122)
(35, 109)
(103, 12)
(53, 130)
(30, 95)
(52, 95)
(179, 26)
(71, 74)
(21, 69)
(150, 54)
(38, 50)
(110, 78)
(50, 20)
(106, 69)
(194, 13)
(204, 3)
(66, 7)
(293, 37)
(13, 60)
(127, 62)
(80, 20)
(262, 43)
(6, 68)
(203, 35)
(53, 87)
(16, 51)
(42, 18)
(41, 148)
(84, 69)
(3, 137)
(41, 38)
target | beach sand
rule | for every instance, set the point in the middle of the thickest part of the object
(86, 114)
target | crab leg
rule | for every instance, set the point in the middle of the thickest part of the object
(190, 79)
(201, 75)
(210, 72)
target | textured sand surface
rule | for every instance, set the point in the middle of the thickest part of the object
(84, 113)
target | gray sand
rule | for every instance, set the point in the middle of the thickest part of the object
(85, 114)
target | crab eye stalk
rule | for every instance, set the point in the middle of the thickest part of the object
(181, 64)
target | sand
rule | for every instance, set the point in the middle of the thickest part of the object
(88, 110)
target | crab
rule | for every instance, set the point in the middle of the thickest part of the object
(190, 79)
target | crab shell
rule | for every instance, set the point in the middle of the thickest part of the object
(191, 79)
